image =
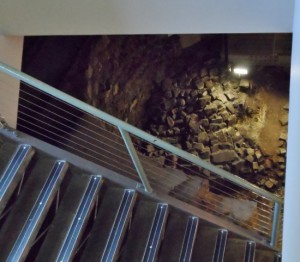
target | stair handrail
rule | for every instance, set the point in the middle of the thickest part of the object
(126, 129)
(13, 72)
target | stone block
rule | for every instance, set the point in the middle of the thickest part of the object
(214, 127)
(255, 166)
(250, 159)
(244, 85)
(226, 146)
(209, 84)
(210, 109)
(205, 154)
(214, 148)
(223, 156)
(230, 96)
(230, 107)
(198, 146)
(216, 120)
(225, 115)
(232, 120)
(203, 137)
(284, 120)
(238, 165)
(283, 136)
(170, 121)
(203, 101)
(204, 122)
(221, 136)
(171, 140)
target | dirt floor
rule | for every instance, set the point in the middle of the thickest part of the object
(275, 102)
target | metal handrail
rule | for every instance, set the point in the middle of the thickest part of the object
(135, 131)
(127, 129)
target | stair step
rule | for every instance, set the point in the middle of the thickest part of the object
(23, 223)
(250, 251)
(235, 249)
(119, 227)
(172, 244)
(111, 224)
(205, 243)
(136, 240)
(189, 239)
(220, 245)
(71, 219)
(156, 233)
(264, 256)
(13, 173)
(7, 150)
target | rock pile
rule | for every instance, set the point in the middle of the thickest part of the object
(199, 113)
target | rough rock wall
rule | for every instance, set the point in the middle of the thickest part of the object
(118, 73)
(185, 96)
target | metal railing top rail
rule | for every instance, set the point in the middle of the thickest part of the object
(135, 131)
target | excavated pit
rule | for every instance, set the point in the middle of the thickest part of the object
(180, 89)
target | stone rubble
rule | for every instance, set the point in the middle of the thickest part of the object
(200, 115)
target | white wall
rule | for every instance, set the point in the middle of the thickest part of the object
(73, 17)
(11, 49)
(291, 227)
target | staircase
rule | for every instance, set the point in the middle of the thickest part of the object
(55, 206)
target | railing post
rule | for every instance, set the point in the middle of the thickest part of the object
(276, 216)
(135, 159)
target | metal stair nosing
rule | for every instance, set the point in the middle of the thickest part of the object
(65, 233)
(119, 226)
(13, 173)
(250, 251)
(37, 214)
(156, 233)
(189, 239)
(220, 245)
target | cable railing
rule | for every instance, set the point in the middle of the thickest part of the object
(75, 126)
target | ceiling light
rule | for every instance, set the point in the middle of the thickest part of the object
(240, 71)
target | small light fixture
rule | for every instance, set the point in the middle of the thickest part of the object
(240, 71)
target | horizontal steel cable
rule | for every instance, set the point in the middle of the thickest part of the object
(77, 143)
(218, 189)
(81, 152)
(48, 89)
(56, 128)
(79, 118)
(203, 176)
(204, 207)
(96, 140)
(58, 116)
(130, 175)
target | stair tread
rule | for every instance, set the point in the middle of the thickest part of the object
(174, 236)
(64, 217)
(109, 206)
(264, 255)
(21, 210)
(13, 173)
(136, 238)
(156, 233)
(235, 250)
(205, 243)
(7, 150)
(142, 219)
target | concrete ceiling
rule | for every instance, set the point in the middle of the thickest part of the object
(77, 17)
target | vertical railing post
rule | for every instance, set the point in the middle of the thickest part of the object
(135, 159)
(275, 224)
